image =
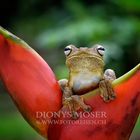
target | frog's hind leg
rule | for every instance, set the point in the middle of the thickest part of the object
(73, 102)
(105, 86)
(68, 102)
(67, 99)
(79, 101)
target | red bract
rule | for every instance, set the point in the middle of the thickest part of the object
(33, 87)
(29, 80)
(107, 121)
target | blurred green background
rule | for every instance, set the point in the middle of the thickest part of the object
(48, 26)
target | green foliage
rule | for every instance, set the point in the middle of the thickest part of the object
(114, 24)
(130, 5)
(86, 30)
(8, 125)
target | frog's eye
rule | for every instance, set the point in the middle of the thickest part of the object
(100, 50)
(68, 50)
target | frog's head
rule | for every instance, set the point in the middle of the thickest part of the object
(95, 51)
(83, 57)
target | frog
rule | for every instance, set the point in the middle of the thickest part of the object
(86, 73)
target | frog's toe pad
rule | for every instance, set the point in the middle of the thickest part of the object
(106, 99)
(75, 116)
(112, 97)
(88, 108)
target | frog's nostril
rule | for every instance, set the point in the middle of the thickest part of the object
(83, 50)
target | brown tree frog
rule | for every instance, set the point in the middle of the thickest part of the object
(86, 72)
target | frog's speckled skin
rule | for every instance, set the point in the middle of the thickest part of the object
(86, 72)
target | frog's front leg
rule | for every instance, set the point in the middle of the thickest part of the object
(105, 86)
(73, 102)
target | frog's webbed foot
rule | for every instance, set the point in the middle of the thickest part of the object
(73, 102)
(105, 86)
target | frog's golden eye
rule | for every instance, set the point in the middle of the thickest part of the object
(100, 50)
(68, 50)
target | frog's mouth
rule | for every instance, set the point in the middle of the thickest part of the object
(84, 54)
(84, 57)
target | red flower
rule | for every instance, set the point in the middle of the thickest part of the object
(34, 89)
(29, 80)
